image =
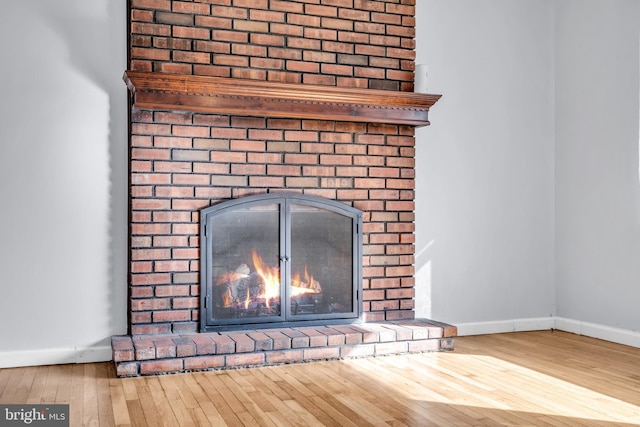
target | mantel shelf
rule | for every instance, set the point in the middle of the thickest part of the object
(161, 91)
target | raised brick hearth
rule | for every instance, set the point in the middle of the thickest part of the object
(183, 160)
(149, 355)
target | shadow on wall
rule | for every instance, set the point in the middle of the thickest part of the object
(95, 34)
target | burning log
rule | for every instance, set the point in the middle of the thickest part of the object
(306, 286)
(228, 284)
(259, 291)
(241, 272)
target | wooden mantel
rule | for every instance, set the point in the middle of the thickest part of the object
(271, 99)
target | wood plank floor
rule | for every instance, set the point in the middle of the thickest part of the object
(531, 378)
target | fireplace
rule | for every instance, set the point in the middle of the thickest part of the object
(280, 259)
(272, 177)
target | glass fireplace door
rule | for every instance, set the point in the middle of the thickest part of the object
(244, 256)
(321, 264)
(279, 258)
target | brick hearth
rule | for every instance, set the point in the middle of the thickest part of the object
(150, 355)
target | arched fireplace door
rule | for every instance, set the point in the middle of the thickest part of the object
(280, 260)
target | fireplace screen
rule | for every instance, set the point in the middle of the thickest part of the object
(280, 258)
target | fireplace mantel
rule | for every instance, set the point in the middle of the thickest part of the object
(273, 99)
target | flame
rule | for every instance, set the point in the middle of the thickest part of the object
(247, 299)
(227, 298)
(270, 278)
(308, 286)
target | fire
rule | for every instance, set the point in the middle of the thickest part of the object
(261, 289)
(308, 286)
(270, 278)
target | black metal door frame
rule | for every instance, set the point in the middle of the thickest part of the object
(286, 317)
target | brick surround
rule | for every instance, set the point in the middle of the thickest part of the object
(181, 162)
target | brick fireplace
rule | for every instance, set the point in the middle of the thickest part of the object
(195, 143)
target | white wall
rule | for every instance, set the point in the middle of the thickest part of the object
(528, 181)
(485, 168)
(63, 180)
(598, 182)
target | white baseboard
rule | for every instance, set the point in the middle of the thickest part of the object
(593, 330)
(502, 326)
(607, 333)
(54, 356)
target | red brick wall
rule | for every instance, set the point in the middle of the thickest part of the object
(182, 162)
(347, 43)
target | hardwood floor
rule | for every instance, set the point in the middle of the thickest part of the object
(532, 378)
